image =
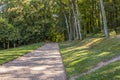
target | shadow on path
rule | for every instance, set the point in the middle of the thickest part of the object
(44, 63)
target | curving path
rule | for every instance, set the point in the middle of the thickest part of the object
(44, 63)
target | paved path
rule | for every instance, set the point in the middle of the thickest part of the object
(44, 63)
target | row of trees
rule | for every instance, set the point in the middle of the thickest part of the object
(30, 21)
(90, 17)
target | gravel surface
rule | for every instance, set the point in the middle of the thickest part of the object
(44, 63)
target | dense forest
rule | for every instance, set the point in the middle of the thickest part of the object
(30, 21)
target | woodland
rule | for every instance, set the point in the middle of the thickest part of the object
(25, 22)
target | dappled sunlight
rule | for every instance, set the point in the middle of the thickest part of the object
(44, 63)
(73, 49)
(88, 53)
(103, 54)
(86, 45)
(13, 53)
(77, 55)
(91, 43)
(8, 69)
(117, 76)
(82, 53)
(77, 61)
(39, 68)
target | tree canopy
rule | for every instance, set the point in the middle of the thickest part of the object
(31, 21)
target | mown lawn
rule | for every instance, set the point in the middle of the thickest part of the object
(13, 53)
(80, 56)
(109, 72)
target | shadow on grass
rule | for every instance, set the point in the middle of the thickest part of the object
(13, 53)
(109, 72)
(80, 56)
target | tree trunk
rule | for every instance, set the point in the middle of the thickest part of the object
(78, 21)
(75, 20)
(70, 25)
(4, 45)
(14, 44)
(67, 24)
(66, 21)
(8, 44)
(104, 19)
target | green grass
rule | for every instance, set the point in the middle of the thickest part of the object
(80, 56)
(109, 72)
(13, 53)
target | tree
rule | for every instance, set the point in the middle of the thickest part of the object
(25, 22)
(78, 20)
(104, 19)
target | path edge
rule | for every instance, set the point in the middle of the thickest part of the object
(62, 63)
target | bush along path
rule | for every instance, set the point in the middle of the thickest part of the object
(44, 63)
(98, 66)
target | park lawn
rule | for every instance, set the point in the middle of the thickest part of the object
(13, 53)
(109, 72)
(80, 56)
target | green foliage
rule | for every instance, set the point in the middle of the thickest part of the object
(30, 21)
(26, 22)
(8, 32)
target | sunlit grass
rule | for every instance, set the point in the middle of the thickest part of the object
(13, 53)
(80, 56)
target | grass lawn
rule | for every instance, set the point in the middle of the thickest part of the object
(80, 56)
(13, 53)
(109, 72)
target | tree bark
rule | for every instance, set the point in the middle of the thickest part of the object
(104, 19)
(66, 21)
(4, 45)
(75, 20)
(78, 21)
(8, 44)
(70, 26)
(67, 24)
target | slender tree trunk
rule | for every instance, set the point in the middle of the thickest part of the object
(70, 26)
(92, 16)
(8, 44)
(66, 21)
(14, 44)
(67, 24)
(4, 45)
(85, 25)
(75, 20)
(78, 21)
(115, 16)
(104, 19)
